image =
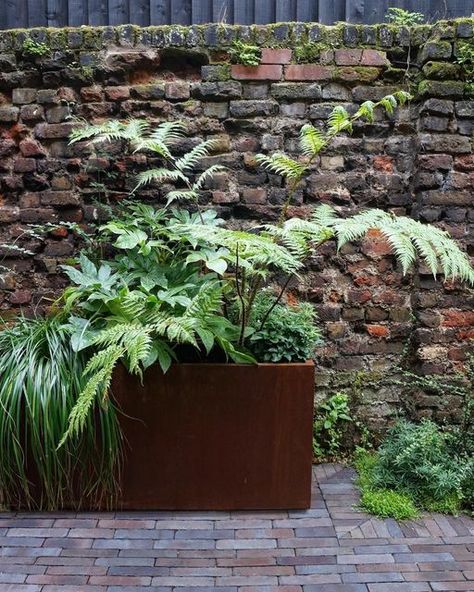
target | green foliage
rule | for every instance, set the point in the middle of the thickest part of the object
(281, 332)
(402, 17)
(308, 53)
(161, 291)
(422, 462)
(245, 53)
(465, 58)
(158, 142)
(33, 48)
(385, 503)
(40, 381)
(331, 419)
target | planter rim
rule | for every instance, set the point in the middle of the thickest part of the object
(239, 365)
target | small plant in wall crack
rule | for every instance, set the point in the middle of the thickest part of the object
(245, 53)
(33, 48)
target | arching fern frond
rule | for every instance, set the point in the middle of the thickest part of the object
(190, 160)
(281, 164)
(131, 130)
(408, 238)
(160, 176)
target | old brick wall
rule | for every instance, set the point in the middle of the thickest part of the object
(419, 162)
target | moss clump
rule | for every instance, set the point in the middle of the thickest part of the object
(441, 70)
(308, 53)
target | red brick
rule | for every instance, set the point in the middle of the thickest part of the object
(31, 148)
(21, 297)
(458, 318)
(255, 195)
(25, 165)
(263, 72)
(117, 93)
(377, 330)
(372, 57)
(383, 163)
(348, 57)
(276, 56)
(308, 72)
(91, 94)
(375, 244)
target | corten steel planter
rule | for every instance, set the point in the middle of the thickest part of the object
(217, 436)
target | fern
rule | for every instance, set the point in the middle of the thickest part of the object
(190, 160)
(408, 239)
(282, 165)
(160, 142)
(312, 140)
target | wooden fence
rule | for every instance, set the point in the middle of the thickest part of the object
(60, 13)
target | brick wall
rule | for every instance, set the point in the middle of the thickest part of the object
(419, 163)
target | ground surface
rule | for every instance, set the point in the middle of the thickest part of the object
(330, 548)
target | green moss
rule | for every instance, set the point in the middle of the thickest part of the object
(58, 38)
(441, 70)
(308, 52)
(386, 503)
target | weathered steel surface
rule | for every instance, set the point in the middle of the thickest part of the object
(217, 436)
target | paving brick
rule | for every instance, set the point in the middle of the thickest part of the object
(398, 587)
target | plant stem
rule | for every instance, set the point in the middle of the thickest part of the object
(276, 301)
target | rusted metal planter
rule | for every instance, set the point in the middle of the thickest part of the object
(217, 437)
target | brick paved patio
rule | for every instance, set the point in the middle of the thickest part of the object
(330, 548)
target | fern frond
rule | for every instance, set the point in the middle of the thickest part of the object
(161, 175)
(131, 130)
(207, 174)
(190, 160)
(339, 120)
(169, 132)
(281, 164)
(312, 140)
(184, 194)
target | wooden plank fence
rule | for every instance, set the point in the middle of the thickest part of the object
(61, 13)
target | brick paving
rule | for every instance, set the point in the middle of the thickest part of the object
(330, 548)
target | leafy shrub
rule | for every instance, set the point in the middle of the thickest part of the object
(245, 53)
(423, 462)
(331, 418)
(282, 332)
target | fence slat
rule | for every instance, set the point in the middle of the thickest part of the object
(61, 13)
(36, 13)
(118, 12)
(77, 11)
(306, 11)
(330, 12)
(57, 13)
(244, 12)
(222, 11)
(97, 13)
(159, 12)
(201, 11)
(140, 12)
(285, 10)
(264, 12)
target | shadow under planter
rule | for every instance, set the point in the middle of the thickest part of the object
(217, 436)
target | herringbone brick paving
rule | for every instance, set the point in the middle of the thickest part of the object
(330, 548)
